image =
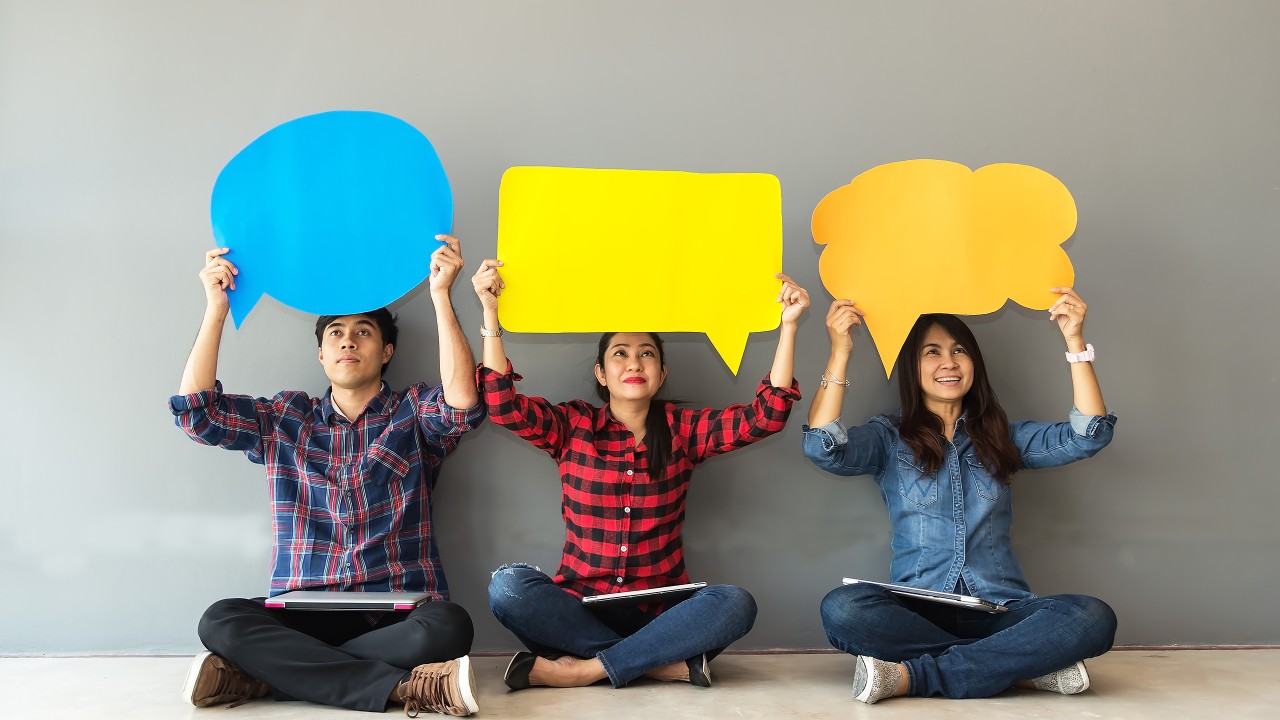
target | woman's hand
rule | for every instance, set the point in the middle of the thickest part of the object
(841, 318)
(217, 277)
(794, 300)
(1069, 311)
(488, 284)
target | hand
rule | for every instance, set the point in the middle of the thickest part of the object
(794, 299)
(841, 318)
(446, 263)
(488, 283)
(217, 277)
(1068, 311)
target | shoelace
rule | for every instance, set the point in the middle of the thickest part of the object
(425, 689)
(233, 684)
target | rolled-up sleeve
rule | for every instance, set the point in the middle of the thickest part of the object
(442, 423)
(713, 432)
(848, 451)
(1054, 444)
(234, 422)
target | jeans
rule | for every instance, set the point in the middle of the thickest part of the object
(628, 641)
(334, 657)
(962, 653)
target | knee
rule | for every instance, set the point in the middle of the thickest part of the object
(449, 630)
(508, 587)
(217, 627)
(1095, 622)
(842, 606)
(737, 606)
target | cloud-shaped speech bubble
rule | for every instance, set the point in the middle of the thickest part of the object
(588, 250)
(924, 236)
(332, 213)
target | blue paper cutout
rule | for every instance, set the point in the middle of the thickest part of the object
(332, 214)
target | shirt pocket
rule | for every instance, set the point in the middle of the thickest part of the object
(918, 487)
(988, 487)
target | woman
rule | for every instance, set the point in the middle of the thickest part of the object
(624, 471)
(945, 467)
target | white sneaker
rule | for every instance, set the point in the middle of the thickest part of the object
(1069, 680)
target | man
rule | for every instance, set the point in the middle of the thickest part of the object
(350, 478)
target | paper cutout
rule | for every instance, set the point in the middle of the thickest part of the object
(924, 236)
(635, 251)
(332, 214)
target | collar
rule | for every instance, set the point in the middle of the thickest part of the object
(378, 404)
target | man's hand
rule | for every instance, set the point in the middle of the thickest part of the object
(446, 263)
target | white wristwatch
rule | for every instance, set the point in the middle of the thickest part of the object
(1086, 356)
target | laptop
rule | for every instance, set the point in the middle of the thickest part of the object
(347, 600)
(964, 601)
(670, 593)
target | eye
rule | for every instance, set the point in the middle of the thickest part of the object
(959, 350)
(619, 353)
(364, 332)
(648, 353)
(931, 351)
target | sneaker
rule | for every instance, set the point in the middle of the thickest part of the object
(446, 687)
(213, 680)
(1069, 680)
(699, 671)
(874, 680)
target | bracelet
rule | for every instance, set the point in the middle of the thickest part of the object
(486, 332)
(823, 382)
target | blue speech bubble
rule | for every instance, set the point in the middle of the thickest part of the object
(331, 214)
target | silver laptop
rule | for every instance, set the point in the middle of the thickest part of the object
(964, 601)
(670, 593)
(347, 600)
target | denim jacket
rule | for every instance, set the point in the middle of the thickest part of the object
(953, 524)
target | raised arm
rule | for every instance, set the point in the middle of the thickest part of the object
(829, 398)
(1069, 311)
(217, 277)
(457, 363)
(794, 300)
(488, 286)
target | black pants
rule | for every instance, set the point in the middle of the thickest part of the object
(348, 659)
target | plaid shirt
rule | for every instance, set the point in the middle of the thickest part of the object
(350, 501)
(623, 526)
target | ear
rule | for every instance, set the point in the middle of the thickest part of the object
(664, 376)
(600, 375)
(387, 351)
(320, 351)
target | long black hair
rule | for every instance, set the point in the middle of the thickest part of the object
(986, 422)
(657, 433)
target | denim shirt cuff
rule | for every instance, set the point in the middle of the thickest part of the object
(832, 434)
(1089, 425)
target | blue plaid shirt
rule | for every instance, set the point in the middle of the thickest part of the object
(350, 499)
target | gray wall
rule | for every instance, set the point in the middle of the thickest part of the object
(1161, 118)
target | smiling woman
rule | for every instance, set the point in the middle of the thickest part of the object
(944, 465)
(625, 469)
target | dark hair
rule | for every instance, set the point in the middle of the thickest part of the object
(657, 433)
(381, 317)
(986, 422)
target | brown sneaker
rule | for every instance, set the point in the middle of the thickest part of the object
(214, 681)
(447, 687)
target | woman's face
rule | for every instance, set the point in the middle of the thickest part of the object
(946, 370)
(632, 369)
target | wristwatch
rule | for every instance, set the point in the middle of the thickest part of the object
(1086, 356)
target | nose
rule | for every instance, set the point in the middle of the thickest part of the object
(347, 342)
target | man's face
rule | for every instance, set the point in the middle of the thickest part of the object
(352, 352)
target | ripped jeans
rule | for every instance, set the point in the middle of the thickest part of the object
(629, 642)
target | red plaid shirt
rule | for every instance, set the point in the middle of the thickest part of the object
(622, 527)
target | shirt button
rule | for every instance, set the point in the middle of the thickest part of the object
(626, 509)
(631, 472)
(619, 581)
(624, 548)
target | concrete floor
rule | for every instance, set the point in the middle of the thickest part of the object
(1127, 684)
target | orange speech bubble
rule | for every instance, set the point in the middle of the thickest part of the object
(924, 236)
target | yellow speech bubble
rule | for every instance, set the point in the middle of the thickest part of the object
(925, 236)
(587, 250)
